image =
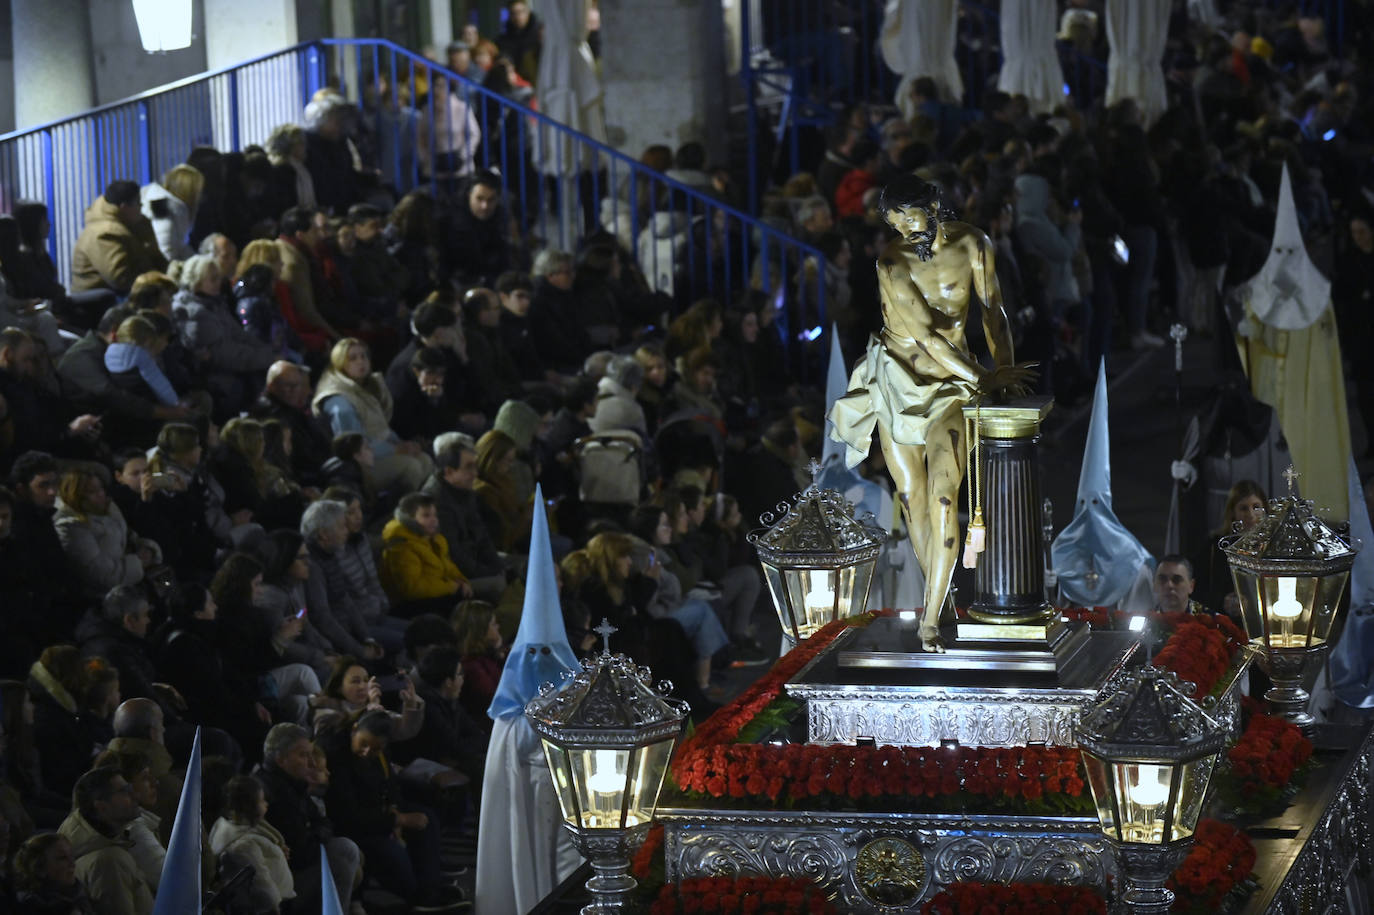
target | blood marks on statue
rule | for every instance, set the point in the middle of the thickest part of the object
(949, 542)
(944, 500)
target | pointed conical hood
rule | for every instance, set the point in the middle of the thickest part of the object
(541, 652)
(868, 497)
(1095, 479)
(1096, 558)
(836, 383)
(329, 893)
(178, 892)
(1289, 292)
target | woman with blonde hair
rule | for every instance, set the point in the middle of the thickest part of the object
(101, 552)
(153, 291)
(355, 399)
(632, 592)
(696, 327)
(286, 151)
(171, 207)
(1245, 505)
(508, 516)
(131, 360)
(263, 298)
(250, 482)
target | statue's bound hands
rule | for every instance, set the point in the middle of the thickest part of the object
(1009, 380)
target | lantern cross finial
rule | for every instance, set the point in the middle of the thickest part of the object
(1291, 476)
(605, 630)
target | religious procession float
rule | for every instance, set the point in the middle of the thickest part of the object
(1011, 756)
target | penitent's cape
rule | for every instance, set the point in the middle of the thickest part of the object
(1289, 348)
(523, 851)
(1097, 559)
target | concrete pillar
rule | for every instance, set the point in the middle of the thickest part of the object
(440, 25)
(52, 60)
(233, 36)
(657, 97)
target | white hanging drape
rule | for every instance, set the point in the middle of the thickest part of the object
(1030, 63)
(918, 40)
(1136, 32)
(568, 88)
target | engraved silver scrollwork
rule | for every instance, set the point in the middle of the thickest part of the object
(967, 859)
(784, 853)
(924, 718)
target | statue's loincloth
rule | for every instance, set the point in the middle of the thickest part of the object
(884, 389)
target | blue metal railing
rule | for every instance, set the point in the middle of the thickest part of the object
(562, 184)
(422, 126)
(67, 163)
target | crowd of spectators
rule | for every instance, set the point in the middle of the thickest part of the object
(272, 456)
(1108, 227)
(271, 462)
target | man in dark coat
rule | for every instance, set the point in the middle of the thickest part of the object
(560, 334)
(470, 544)
(476, 246)
(40, 420)
(447, 735)
(86, 384)
(437, 329)
(517, 334)
(763, 476)
(287, 398)
(287, 771)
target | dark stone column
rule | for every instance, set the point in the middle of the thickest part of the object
(1009, 583)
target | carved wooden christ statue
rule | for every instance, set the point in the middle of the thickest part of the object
(916, 376)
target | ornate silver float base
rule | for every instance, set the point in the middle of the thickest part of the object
(881, 862)
(903, 706)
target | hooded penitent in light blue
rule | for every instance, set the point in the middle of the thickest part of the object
(178, 892)
(868, 497)
(1096, 558)
(329, 893)
(1352, 660)
(541, 652)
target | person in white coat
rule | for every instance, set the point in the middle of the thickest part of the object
(171, 208)
(523, 851)
(244, 833)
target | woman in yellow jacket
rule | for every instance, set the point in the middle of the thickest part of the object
(416, 570)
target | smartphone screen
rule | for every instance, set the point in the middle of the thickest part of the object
(300, 614)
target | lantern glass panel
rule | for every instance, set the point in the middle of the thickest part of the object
(1283, 611)
(1194, 777)
(598, 778)
(778, 591)
(1142, 796)
(559, 769)
(650, 765)
(1099, 780)
(1139, 792)
(815, 597)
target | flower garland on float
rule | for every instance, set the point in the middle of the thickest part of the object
(711, 765)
